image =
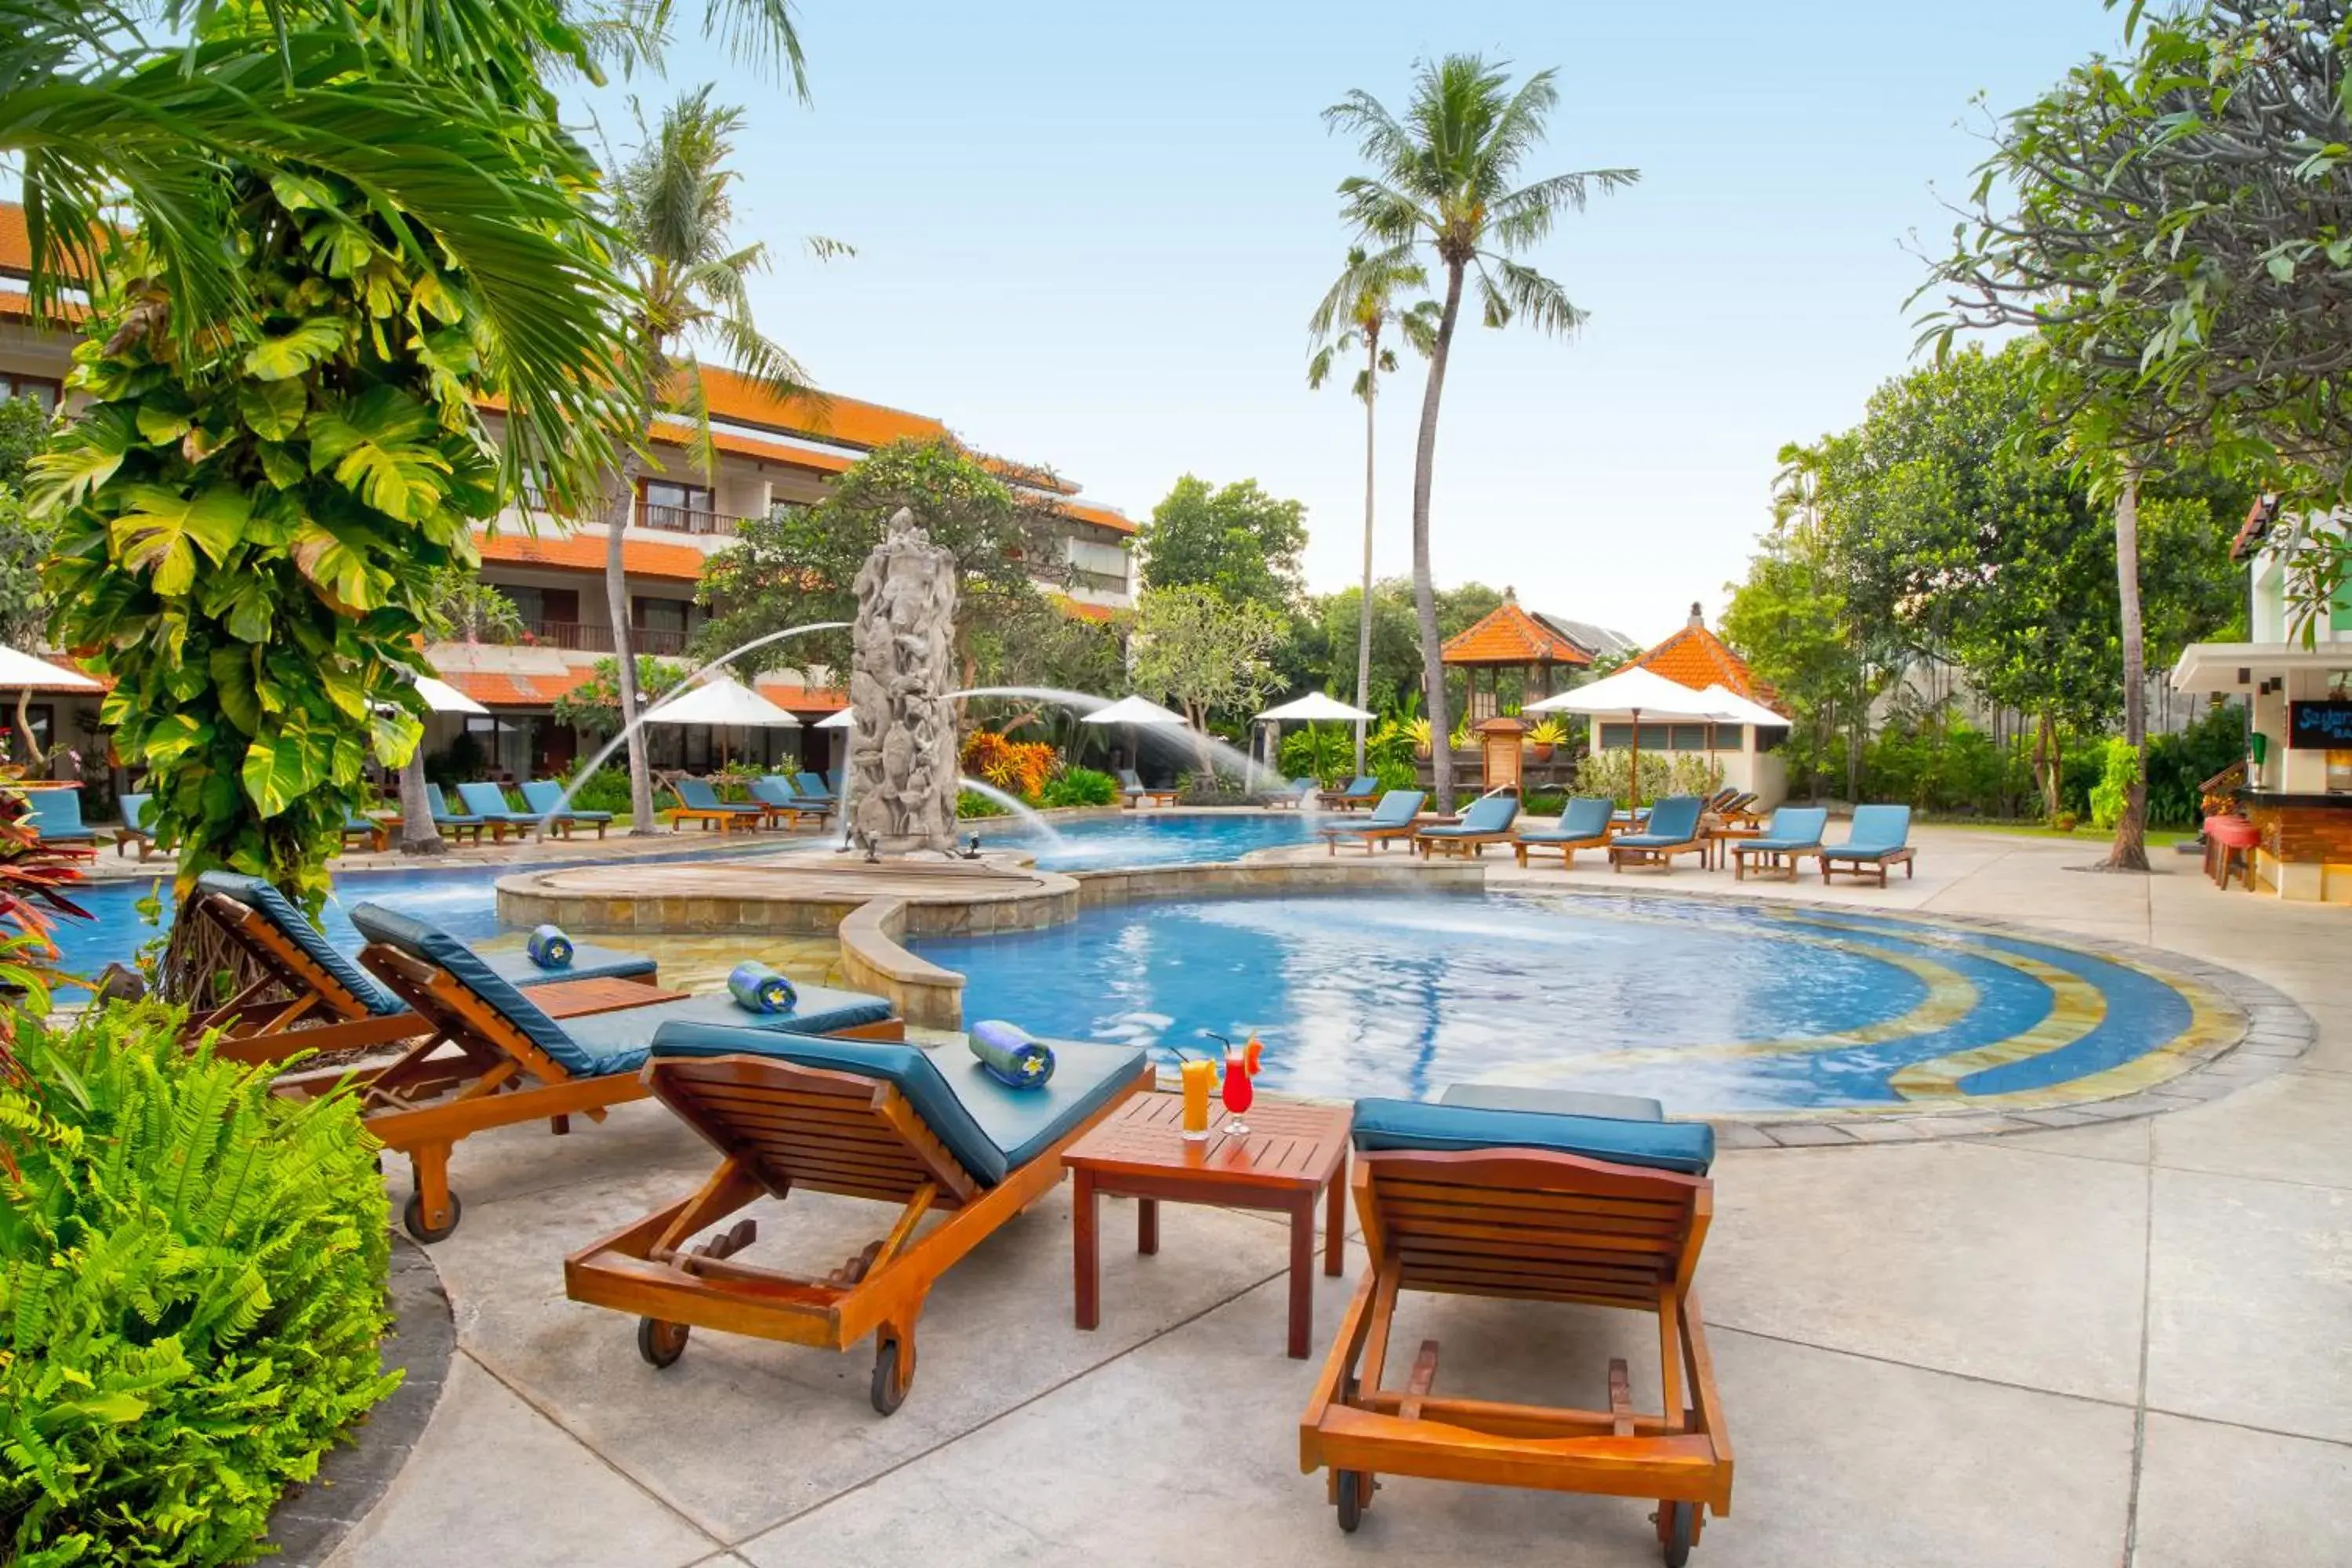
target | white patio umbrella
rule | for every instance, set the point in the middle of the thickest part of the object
(22, 670)
(1633, 691)
(1313, 707)
(1733, 709)
(441, 696)
(1139, 711)
(841, 721)
(725, 703)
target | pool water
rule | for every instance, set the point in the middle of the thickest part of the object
(1707, 1006)
(1178, 838)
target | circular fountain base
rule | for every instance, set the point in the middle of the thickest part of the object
(869, 904)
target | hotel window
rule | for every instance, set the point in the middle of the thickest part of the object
(44, 389)
(680, 509)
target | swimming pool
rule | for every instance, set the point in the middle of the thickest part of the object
(464, 899)
(1710, 1006)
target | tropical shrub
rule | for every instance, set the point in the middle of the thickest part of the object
(1326, 754)
(1016, 767)
(193, 1294)
(249, 529)
(606, 789)
(971, 803)
(1212, 789)
(1079, 786)
(2117, 772)
(1398, 743)
(1393, 774)
(593, 707)
(1696, 772)
(1612, 774)
(2179, 765)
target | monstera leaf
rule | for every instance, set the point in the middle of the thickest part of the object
(283, 766)
(382, 446)
(291, 354)
(163, 529)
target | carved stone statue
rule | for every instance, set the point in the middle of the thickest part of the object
(903, 743)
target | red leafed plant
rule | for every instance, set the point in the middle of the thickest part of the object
(1017, 767)
(33, 876)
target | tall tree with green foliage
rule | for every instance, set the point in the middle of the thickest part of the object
(1355, 313)
(674, 207)
(24, 538)
(1236, 540)
(1444, 179)
(797, 565)
(1208, 654)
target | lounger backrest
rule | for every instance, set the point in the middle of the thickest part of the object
(1397, 808)
(542, 796)
(810, 786)
(1674, 817)
(1129, 780)
(1587, 816)
(56, 811)
(1798, 823)
(485, 799)
(264, 900)
(773, 789)
(770, 1130)
(1363, 785)
(695, 794)
(134, 806)
(441, 812)
(1879, 828)
(428, 944)
(1491, 814)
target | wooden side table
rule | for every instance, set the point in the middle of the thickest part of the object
(1292, 1156)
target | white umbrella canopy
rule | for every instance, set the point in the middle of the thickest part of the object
(723, 703)
(1313, 706)
(1634, 689)
(441, 696)
(23, 670)
(841, 721)
(1730, 708)
(1133, 711)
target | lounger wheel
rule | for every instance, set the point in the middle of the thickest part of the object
(1355, 1489)
(888, 1391)
(661, 1342)
(1678, 1523)
(412, 1219)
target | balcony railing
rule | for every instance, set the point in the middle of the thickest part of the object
(583, 637)
(684, 519)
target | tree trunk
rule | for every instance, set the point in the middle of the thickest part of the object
(2050, 760)
(1364, 609)
(619, 492)
(2129, 851)
(1424, 587)
(419, 834)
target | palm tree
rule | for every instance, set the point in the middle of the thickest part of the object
(1362, 304)
(1443, 179)
(673, 209)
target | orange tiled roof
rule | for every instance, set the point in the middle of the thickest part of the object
(801, 698)
(1695, 657)
(1100, 516)
(1510, 636)
(848, 420)
(502, 688)
(1080, 610)
(15, 241)
(586, 552)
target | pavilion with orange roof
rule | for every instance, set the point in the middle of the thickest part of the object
(1747, 754)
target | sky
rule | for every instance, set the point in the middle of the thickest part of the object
(1090, 235)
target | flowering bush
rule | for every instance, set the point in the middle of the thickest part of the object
(1016, 767)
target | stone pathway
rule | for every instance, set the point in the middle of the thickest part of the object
(2123, 1343)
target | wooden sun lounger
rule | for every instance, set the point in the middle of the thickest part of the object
(1530, 1226)
(780, 1126)
(429, 1100)
(725, 817)
(1622, 854)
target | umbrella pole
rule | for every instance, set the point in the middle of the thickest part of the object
(1634, 784)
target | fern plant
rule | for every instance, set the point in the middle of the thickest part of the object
(192, 1290)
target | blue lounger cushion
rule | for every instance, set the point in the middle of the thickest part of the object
(1792, 827)
(1552, 1101)
(600, 1043)
(808, 786)
(588, 961)
(990, 1130)
(134, 808)
(1586, 816)
(1488, 814)
(542, 796)
(1364, 786)
(1397, 808)
(56, 815)
(1673, 820)
(1877, 831)
(1685, 1146)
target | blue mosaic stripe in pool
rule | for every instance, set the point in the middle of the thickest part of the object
(1710, 1006)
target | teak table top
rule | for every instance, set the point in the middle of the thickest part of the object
(1290, 1146)
(603, 994)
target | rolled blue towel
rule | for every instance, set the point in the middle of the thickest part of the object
(549, 948)
(757, 988)
(1011, 1055)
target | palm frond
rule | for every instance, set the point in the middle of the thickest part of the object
(1384, 213)
(1381, 140)
(1525, 216)
(1513, 289)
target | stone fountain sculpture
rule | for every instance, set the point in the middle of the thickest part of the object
(903, 746)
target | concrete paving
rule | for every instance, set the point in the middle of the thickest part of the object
(2119, 1344)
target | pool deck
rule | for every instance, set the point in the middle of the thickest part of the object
(2117, 1344)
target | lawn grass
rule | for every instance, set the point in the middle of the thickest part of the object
(2157, 837)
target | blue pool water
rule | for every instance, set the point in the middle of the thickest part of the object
(1706, 1006)
(1170, 839)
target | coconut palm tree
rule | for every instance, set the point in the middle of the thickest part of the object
(674, 211)
(1443, 180)
(1361, 306)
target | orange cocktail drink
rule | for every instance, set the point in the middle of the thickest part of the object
(1200, 1077)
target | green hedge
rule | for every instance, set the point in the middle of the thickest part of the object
(193, 1296)
(1079, 786)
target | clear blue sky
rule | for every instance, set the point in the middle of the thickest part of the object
(1090, 235)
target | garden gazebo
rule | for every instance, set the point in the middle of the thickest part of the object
(1510, 638)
